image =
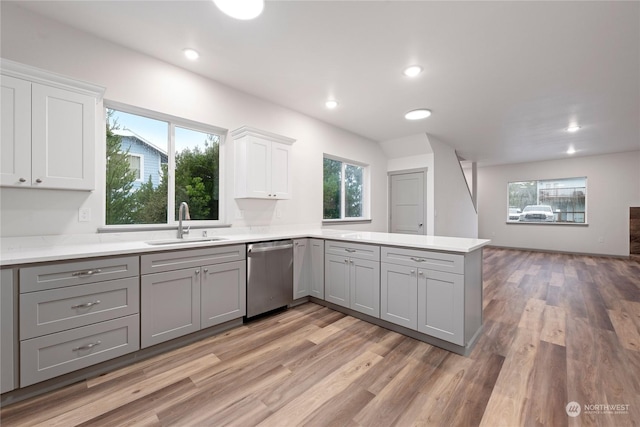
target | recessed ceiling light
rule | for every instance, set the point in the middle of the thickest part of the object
(412, 71)
(573, 128)
(571, 150)
(241, 9)
(331, 104)
(417, 114)
(191, 54)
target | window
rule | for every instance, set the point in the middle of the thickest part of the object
(155, 162)
(343, 190)
(135, 165)
(551, 201)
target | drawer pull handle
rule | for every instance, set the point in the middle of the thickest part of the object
(86, 304)
(350, 250)
(418, 259)
(87, 346)
(86, 272)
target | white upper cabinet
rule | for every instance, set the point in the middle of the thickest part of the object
(262, 164)
(49, 129)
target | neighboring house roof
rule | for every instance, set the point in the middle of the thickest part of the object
(132, 134)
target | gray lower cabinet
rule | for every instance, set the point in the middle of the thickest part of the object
(316, 267)
(8, 338)
(223, 293)
(52, 355)
(170, 305)
(301, 268)
(436, 293)
(174, 302)
(441, 305)
(351, 281)
(308, 268)
(399, 295)
(76, 314)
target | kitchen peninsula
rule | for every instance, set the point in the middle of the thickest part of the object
(87, 304)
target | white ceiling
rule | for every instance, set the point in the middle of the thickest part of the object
(503, 79)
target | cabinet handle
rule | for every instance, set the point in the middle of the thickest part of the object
(22, 180)
(349, 250)
(206, 270)
(421, 273)
(412, 271)
(86, 304)
(87, 346)
(38, 180)
(198, 271)
(418, 259)
(86, 272)
(351, 261)
(346, 260)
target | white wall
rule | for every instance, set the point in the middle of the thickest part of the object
(455, 214)
(142, 81)
(413, 152)
(613, 185)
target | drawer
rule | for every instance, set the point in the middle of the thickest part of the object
(56, 310)
(77, 273)
(440, 261)
(57, 354)
(355, 250)
(174, 260)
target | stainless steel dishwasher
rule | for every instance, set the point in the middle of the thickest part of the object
(269, 276)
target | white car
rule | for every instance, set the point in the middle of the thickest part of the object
(514, 214)
(537, 213)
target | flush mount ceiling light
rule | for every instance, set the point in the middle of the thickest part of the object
(331, 104)
(573, 128)
(191, 54)
(571, 150)
(241, 9)
(412, 71)
(417, 114)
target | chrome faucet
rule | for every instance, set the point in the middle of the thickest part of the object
(183, 211)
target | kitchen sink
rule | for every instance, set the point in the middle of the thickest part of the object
(183, 241)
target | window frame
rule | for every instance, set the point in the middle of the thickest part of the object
(366, 191)
(554, 222)
(173, 122)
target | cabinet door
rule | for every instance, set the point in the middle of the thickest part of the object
(63, 138)
(336, 280)
(301, 264)
(441, 305)
(223, 293)
(316, 265)
(170, 305)
(258, 168)
(7, 331)
(364, 286)
(15, 126)
(281, 181)
(399, 295)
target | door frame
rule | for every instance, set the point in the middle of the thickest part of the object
(424, 208)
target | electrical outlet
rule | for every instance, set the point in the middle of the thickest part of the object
(278, 213)
(239, 214)
(84, 215)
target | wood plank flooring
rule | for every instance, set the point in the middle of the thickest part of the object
(557, 328)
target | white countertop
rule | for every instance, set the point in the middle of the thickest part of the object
(16, 251)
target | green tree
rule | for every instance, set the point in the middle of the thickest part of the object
(197, 179)
(332, 171)
(119, 178)
(150, 202)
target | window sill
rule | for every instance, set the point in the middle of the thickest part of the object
(347, 221)
(156, 227)
(570, 224)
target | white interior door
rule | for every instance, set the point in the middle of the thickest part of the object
(407, 203)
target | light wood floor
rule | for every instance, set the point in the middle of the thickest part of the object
(558, 328)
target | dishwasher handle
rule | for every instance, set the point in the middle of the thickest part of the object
(269, 248)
